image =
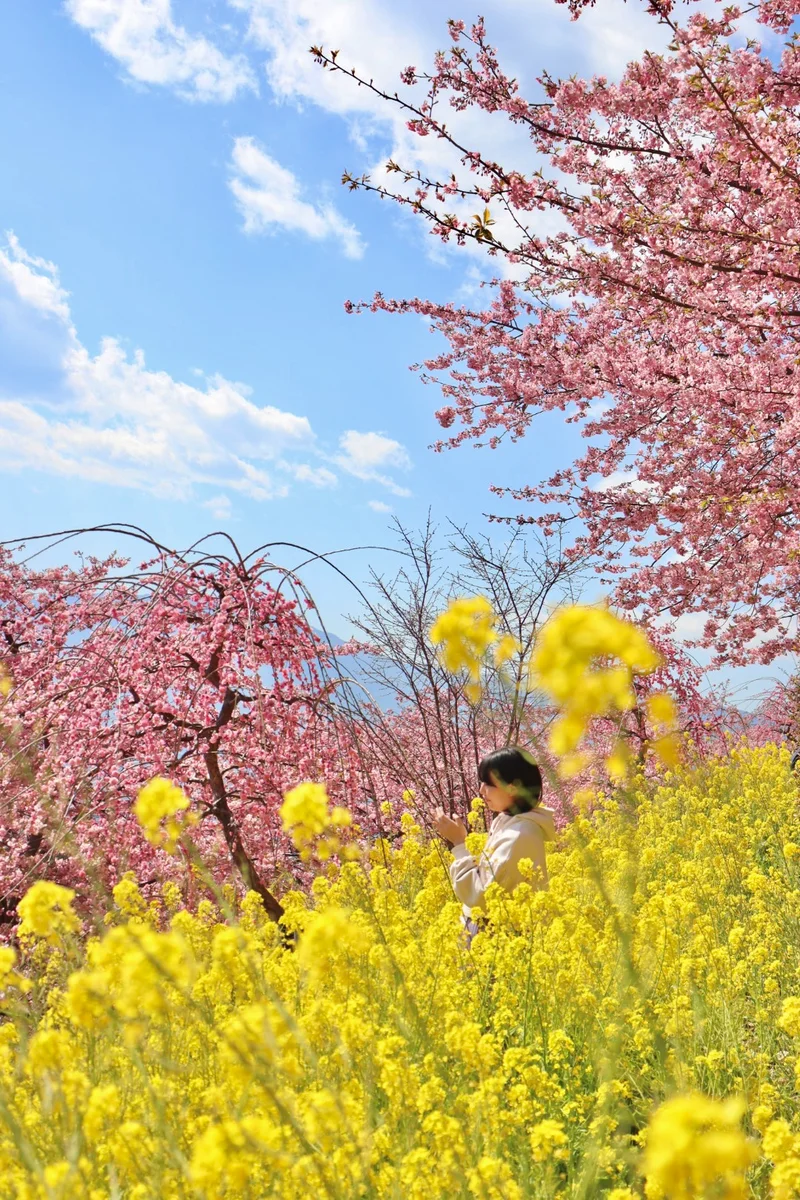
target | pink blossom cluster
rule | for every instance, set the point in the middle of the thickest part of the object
(663, 314)
(205, 674)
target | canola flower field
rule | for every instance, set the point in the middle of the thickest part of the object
(631, 1032)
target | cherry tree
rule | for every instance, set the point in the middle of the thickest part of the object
(777, 717)
(662, 314)
(200, 668)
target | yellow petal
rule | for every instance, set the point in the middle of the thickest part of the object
(661, 709)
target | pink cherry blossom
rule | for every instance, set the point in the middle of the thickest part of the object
(202, 672)
(663, 315)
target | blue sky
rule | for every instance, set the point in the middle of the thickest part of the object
(174, 350)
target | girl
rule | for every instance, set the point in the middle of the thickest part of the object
(511, 787)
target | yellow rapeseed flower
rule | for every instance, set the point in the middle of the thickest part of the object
(307, 816)
(477, 813)
(618, 761)
(790, 1016)
(667, 748)
(46, 912)
(305, 811)
(505, 649)
(548, 1141)
(785, 1179)
(464, 633)
(157, 808)
(102, 1111)
(181, 1052)
(661, 709)
(585, 660)
(695, 1147)
(49, 1051)
(9, 977)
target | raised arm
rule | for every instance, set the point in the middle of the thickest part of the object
(471, 877)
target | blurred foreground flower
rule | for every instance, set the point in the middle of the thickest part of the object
(307, 816)
(585, 660)
(9, 977)
(695, 1147)
(464, 632)
(46, 912)
(157, 807)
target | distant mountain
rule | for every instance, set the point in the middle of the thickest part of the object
(353, 666)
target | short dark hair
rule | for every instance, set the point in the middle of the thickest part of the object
(513, 769)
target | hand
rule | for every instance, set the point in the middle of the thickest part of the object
(452, 831)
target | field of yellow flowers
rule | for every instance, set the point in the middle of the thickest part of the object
(630, 1032)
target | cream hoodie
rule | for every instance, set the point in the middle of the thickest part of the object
(511, 839)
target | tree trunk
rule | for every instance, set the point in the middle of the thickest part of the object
(221, 809)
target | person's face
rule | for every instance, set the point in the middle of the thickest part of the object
(496, 799)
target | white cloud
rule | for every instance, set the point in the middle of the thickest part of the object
(269, 198)
(317, 476)
(378, 506)
(219, 507)
(605, 39)
(628, 480)
(35, 280)
(109, 418)
(257, 483)
(379, 40)
(145, 40)
(367, 455)
(377, 37)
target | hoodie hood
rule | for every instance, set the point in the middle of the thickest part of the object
(542, 817)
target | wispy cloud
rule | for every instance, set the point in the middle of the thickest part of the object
(269, 198)
(318, 477)
(368, 455)
(219, 507)
(379, 39)
(374, 34)
(143, 37)
(109, 418)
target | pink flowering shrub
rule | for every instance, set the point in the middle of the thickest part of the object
(205, 674)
